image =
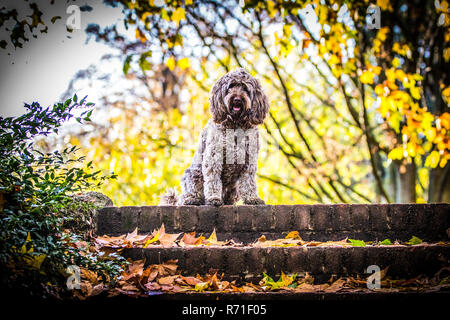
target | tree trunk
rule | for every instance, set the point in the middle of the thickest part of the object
(405, 183)
(439, 184)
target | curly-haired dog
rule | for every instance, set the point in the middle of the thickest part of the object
(224, 166)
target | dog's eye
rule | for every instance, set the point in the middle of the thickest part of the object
(232, 85)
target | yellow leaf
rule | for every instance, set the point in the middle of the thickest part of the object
(34, 261)
(164, 14)
(202, 286)
(23, 249)
(384, 5)
(213, 236)
(183, 63)
(376, 69)
(150, 241)
(432, 160)
(396, 62)
(415, 93)
(379, 90)
(382, 33)
(396, 154)
(447, 54)
(333, 60)
(171, 63)
(367, 77)
(293, 235)
(271, 9)
(178, 15)
(286, 280)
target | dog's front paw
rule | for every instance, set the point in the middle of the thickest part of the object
(214, 202)
(188, 200)
(255, 201)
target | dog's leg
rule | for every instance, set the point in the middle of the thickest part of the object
(192, 188)
(247, 186)
(247, 181)
(212, 165)
(231, 195)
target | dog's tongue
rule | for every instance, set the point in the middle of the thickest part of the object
(236, 108)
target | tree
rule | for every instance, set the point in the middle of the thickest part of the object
(374, 82)
(358, 114)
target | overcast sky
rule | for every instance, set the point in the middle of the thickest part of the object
(43, 68)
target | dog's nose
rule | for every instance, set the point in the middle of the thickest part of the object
(237, 100)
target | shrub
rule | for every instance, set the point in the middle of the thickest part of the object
(36, 193)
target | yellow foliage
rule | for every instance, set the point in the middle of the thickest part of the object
(432, 160)
(367, 77)
(178, 15)
(384, 5)
(183, 63)
(171, 63)
(396, 154)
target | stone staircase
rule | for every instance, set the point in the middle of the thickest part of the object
(245, 224)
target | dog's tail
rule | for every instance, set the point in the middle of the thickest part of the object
(170, 198)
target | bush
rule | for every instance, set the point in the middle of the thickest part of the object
(36, 192)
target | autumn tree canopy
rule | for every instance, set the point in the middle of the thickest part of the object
(358, 113)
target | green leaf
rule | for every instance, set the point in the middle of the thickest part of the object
(357, 243)
(386, 242)
(126, 64)
(414, 240)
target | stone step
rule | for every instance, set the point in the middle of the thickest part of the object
(249, 263)
(430, 222)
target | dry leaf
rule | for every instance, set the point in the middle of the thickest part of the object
(152, 286)
(191, 281)
(167, 280)
(293, 235)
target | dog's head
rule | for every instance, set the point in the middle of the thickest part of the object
(238, 99)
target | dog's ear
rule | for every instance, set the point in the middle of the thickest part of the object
(260, 104)
(217, 107)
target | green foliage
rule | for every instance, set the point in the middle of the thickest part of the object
(284, 281)
(414, 240)
(386, 242)
(36, 190)
(357, 243)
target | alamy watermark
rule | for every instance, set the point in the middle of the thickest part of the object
(374, 280)
(73, 22)
(74, 279)
(373, 17)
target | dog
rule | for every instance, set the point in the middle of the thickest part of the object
(223, 169)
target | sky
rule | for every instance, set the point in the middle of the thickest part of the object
(43, 68)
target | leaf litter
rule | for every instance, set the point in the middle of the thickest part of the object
(139, 279)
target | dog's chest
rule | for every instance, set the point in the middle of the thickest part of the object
(236, 157)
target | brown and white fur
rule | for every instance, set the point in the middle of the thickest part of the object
(224, 166)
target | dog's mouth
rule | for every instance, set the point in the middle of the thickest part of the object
(237, 107)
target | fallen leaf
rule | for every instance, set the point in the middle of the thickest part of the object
(201, 286)
(152, 286)
(293, 235)
(167, 280)
(357, 243)
(192, 281)
(336, 286)
(96, 290)
(89, 275)
(262, 239)
(414, 240)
